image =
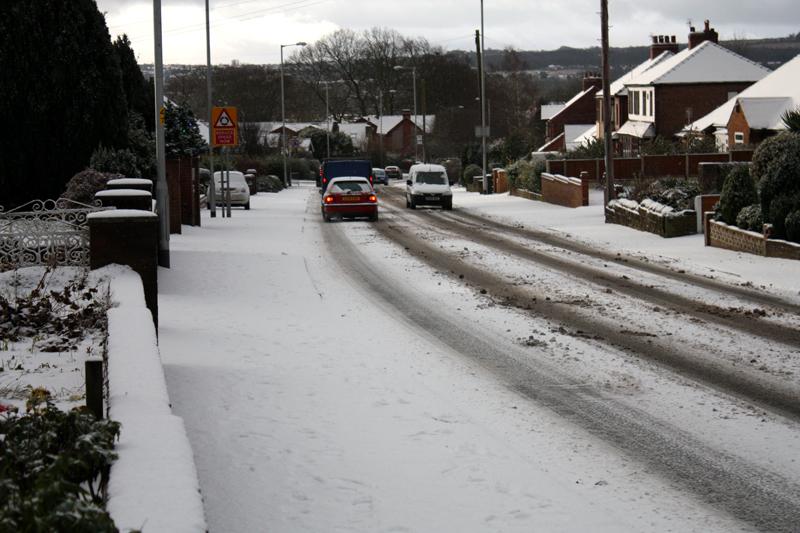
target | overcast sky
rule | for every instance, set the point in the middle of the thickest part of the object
(251, 31)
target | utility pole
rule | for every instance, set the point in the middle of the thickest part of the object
(162, 191)
(607, 141)
(327, 121)
(424, 111)
(212, 193)
(482, 68)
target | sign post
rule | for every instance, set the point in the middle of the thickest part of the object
(225, 133)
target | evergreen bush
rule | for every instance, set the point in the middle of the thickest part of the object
(83, 185)
(738, 192)
(53, 466)
(792, 223)
(750, 218)
(121, 161)
(779, 210)
(776, 169)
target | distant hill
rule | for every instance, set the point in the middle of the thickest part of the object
(769, 52)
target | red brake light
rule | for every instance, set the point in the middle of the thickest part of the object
(370, 179)
(373, 198)
(329, 199)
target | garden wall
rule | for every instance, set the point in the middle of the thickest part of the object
(649, 166)
(561, 190)
(153, 485)
(637, 216)
(523, 193)
(721, 235)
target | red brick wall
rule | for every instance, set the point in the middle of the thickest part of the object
(174, 186)
(738, 123)
(566, 194)
(673, 100)
(582, 111)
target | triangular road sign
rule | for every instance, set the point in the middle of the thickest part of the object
(224, 120)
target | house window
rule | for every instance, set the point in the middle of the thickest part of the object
(652, 97)
(738, 138)
(635, 97)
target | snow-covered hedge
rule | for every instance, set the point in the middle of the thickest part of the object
(153, 485)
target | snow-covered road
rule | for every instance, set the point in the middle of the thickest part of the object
(315, 401)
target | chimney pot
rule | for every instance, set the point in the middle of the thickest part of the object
(673, 39)
(707, 25)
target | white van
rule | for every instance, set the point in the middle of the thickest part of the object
(428, 185)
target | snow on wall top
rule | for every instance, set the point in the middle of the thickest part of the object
(121, 192)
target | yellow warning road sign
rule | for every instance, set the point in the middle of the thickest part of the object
(224, 126)
(162, 115)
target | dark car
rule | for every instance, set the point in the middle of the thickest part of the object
(393, 172)
(334, 168)
(380, 176)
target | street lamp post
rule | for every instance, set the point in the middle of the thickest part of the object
(162, 190)
(414, 81)
(286, 182)
(380, 125)
(212, 200)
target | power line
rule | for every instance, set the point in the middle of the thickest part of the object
(283, 8)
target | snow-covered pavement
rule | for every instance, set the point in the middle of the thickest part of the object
(312, 406)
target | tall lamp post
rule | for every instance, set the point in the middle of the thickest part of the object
(414, 81)
(283, 115)
(486, 182)
(162, 190)
(212, 201)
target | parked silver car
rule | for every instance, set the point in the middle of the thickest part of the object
(239, 191)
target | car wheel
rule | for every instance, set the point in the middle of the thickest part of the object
(247, 205)
(447, 205)
(412, 204)
(374, 218)
(326, 217)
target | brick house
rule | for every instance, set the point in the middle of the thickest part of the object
(575, 116)
(756, 113)
(663, 99)
(399, 131)
(662, 48)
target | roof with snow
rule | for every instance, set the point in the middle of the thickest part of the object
(637, 128)
(575, 99)
(550, 146)
(550, 110)
(618, 86)
(389, 122)
(782, 84)
(572, 132)
(583, 139)
(706, 63)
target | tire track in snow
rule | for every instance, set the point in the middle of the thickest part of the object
(762, 498)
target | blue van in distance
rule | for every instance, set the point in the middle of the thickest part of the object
(335, 168)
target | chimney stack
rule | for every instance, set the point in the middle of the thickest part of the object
(592, 79)
(698, 37)
(661, 44)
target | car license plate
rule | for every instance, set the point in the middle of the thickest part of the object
(351, 198)
(431, 198)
